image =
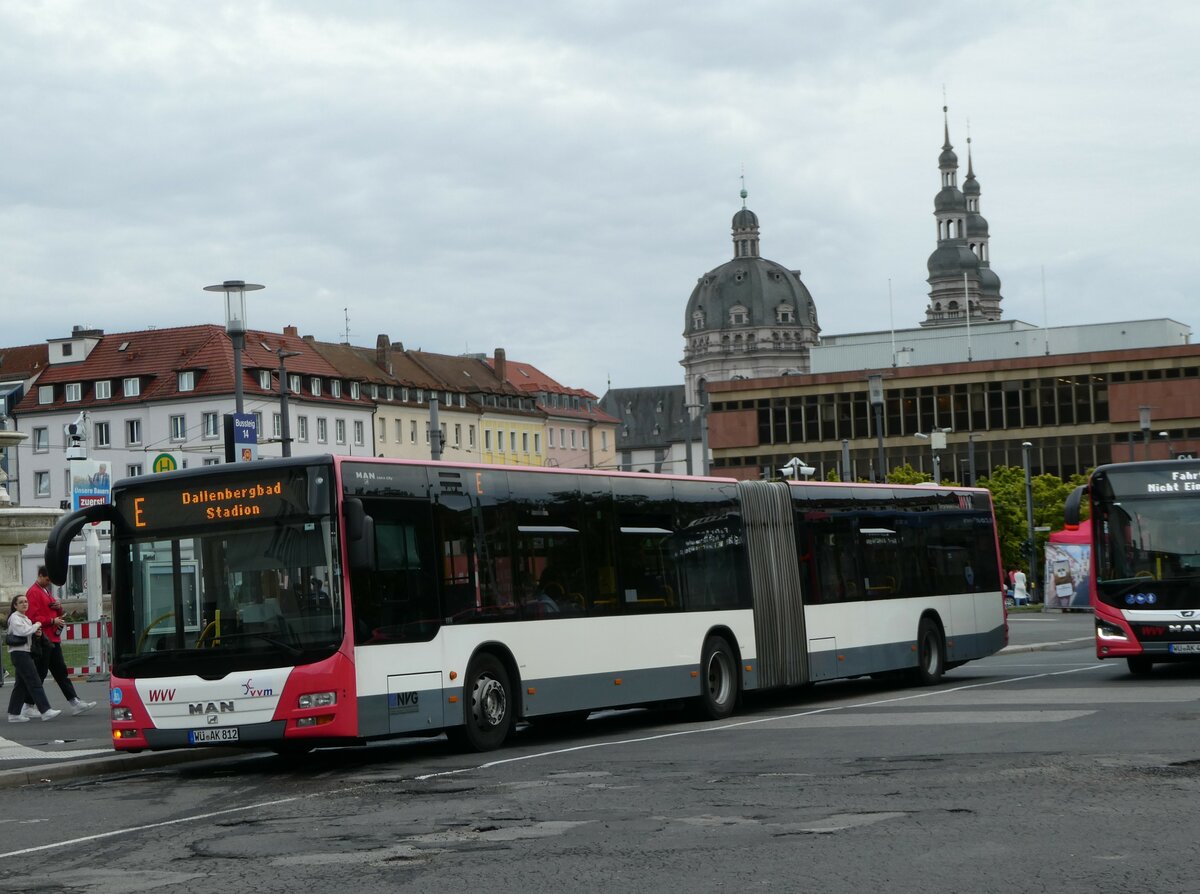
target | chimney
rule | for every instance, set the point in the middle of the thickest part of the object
(383, 347)
(501, 365)
(292, 331)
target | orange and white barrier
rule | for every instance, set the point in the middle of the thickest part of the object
(89, 630)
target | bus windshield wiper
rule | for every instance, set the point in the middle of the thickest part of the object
(265, 637)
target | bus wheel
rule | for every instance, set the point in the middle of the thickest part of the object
(488, 705)
(931, 653)
(1139, 665)
(719, 681)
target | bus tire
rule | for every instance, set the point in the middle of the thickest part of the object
(1139, 665)
(931, 653)
(720, 683)
(487, 704)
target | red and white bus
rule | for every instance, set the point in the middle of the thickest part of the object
(1145, 574)
(334, 600)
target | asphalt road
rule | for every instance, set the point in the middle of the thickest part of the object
(1036, 769)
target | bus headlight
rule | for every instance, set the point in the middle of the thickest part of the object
(1107, 630)
(122, 714)
(317, 700)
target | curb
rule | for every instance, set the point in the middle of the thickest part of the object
(107, 765)
(1044, 647)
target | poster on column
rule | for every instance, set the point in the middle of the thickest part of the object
(91, 484)
(1067, 573)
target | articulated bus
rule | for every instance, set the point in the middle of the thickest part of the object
(1145, 580)
(334, 600)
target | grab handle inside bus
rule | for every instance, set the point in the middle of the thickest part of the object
(58, 544)
(360, 534)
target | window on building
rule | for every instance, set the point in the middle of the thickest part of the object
(562, 437)
(487, 439)
(524, 442)
(512, 441)
(100, 435)
(258, 425)
(583, 439)
(133, 432)
(550, 436)
(537, 442)
(314, 386)
(133, 470)
(322, 430)
(412, 431)
(264, 379)
(294, 383)
(41, 484)
(339, 430)
(102, 390)
(359, 435)
(355, 391)
(131, 387)
(500, 440)
(301, 428)
(335, 387)
(178, 428)
(457, 435)
(471, 436)
(572, 439)
(187, 380)
(45, 394)
(211, 461)
(399, 431)
(276, 425)
(390, 392)
(604, 440)
(426, 432)
(73, 392)
(382, 431)
(211, 425)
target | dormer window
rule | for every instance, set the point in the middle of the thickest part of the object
(187, 380)
(264, 379)
(314, 386)
(335, 388)
(73, 392)
(131, 387)
(102, 390)
(45, 394)
(698, 318)
(739, 315)
(294, 383)
(67, 348)
(784, 313)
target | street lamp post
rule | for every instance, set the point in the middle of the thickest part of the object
(691, 412)
(875, 387)
(971, 458)
(1026, 447)
(1166, 436)
(285, 426)
(235, 325)
(435, 428)
(1144, 421)
(937, 441)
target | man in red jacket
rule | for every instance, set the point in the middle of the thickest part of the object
(45, 608)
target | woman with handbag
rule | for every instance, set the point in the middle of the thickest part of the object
(20, 636)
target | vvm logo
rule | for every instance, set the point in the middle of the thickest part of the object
(249, 690)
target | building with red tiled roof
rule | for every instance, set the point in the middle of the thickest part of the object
(579, 434)
(137, 396)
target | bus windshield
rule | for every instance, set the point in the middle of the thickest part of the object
(1148, 541)
(260, 593)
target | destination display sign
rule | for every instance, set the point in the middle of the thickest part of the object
(1183, 482)
(214, 499)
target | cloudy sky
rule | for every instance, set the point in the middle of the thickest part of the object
(554, 177)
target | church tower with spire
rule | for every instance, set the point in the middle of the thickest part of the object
(961, 280)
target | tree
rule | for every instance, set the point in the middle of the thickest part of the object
(1007, 485)
(906, 474)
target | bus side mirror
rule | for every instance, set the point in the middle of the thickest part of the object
(360, 535)
(1071, 507)
(58, 545)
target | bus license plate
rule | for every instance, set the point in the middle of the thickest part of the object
(1185, 648)
(209, 736)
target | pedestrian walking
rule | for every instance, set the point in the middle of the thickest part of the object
(44, 608)
(19, 638)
